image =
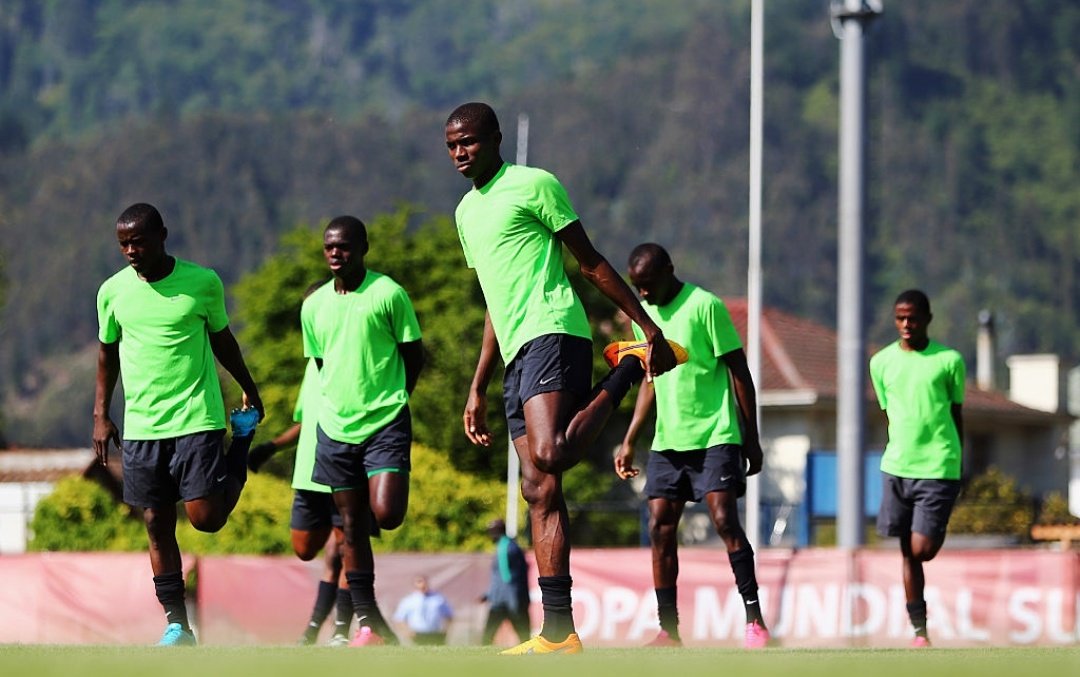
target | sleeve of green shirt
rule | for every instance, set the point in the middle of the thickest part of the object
(552, 205)
(406, 327)
(721, 329)
(108, 329)
(216, 317)
(307, 325)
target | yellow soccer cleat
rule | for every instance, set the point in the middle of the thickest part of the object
(538, 645)
(620, 349)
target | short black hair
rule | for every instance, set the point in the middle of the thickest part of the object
(916, 298)
(475, 113)
(649, 251)
(141, 214)
(351, 225)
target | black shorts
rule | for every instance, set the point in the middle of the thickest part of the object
(919, 506)
(341, 465)
(546, 364)
(161, 472)
(313, 510)
(689, 475)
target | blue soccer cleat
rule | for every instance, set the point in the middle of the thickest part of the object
(176, 635)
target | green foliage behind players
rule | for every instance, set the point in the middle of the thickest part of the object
(448, 510)
(81, 515)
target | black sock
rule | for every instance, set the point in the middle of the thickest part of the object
(324, 602)
(344, 614)
(170, 592)
(558, 614)
(742, 565)
(916, 611)
(623, 377)
(668, 609)
(237, 457)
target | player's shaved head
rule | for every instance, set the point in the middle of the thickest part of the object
(649, 254)
(141, 215)
(479, 115)
(349, 226)
(916, 298)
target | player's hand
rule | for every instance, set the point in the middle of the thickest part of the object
(475, 420)
(104, 432)
(660, 357)
(754, 457)
(253, 400)
(260, 454)
(624, 462)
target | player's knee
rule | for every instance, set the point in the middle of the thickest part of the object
(662, 532)
(304, 551)
(210, 524)
(925, 553)
(553, 458)
(539, 494)
(390, 520)
(726, 524)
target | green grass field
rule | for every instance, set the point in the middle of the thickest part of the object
(44, 661)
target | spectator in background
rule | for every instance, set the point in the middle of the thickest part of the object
(424, 614)
(508, 593)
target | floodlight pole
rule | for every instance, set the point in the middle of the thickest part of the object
(753, 268)
(513, 464)
(850, 19)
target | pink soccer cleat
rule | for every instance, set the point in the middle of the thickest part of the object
(366, 637)
(757, 637)
(920, 642)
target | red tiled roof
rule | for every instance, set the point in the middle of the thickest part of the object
(800, 355)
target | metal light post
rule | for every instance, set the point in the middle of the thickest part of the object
(753, 268)
(850, 19)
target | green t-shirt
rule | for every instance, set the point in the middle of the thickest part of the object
(507, 230)
(917, 390)
(307, 404)
(696, 406)
(167, 367)
(357, 335)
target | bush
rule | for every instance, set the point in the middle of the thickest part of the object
(992, 503)
(1055, 510)
(448, 509)
(81, 515)
(258, 526)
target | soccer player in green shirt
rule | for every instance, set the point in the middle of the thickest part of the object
(706, 440)
(920, 386)
(362, 332)
(161, 323)
(315, 521)
(512, 226)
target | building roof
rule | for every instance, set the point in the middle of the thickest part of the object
(799, 366)
(42, 465)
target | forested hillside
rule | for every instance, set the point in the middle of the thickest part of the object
(242, 119)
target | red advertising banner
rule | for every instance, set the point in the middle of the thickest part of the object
(79, 598)
(811, 598)
(269, 599)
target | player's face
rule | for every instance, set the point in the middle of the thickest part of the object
(911, 323)
(143, 247)
(475, 153)
(344, 253)
(655, 284)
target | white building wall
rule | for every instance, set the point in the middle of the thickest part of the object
(17, 503)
